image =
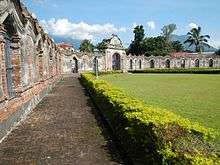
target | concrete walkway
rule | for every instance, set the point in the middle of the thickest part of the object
(63, 129)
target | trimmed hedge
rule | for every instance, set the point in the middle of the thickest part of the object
(152, 135)
(191, 71)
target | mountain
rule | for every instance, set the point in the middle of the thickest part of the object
(182, 38)
(75, 42)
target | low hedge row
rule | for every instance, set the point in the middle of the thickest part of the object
(191, 71)
(152, 135)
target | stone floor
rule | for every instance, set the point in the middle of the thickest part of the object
(63, 129)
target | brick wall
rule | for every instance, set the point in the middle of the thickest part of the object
(30, 65)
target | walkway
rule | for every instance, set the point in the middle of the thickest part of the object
(63, 129)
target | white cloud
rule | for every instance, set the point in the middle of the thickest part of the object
(134, 24)
(192, 25)
(82, 30)
(34, 15)
(215, 43)
(151, 25)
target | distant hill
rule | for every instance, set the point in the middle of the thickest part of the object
(75, 42)
(182, 38)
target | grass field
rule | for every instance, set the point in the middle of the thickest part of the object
(196, 97)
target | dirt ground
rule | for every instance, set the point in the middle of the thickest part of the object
(64, 129)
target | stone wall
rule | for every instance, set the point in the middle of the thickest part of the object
(30, 64)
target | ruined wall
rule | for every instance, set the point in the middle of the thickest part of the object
(30, 64)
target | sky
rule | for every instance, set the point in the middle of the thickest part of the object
(98, 19)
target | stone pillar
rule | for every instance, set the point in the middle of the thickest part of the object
(3, 80)
(16, 63)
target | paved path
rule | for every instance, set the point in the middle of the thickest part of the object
(63, 129)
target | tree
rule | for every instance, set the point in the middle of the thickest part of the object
(136, 47)
(195, 38)
(177, 46)
(156, 46)
(168, 30)
(217, 52)
(86, 46)
(102, 46)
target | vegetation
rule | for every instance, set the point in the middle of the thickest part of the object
(102, 46)
(168, 30)
(177, 46)
(195, 38)
(86, 46)
(156, 46)
(192, 96)
(217, 52)
(136, 47)
(179, 70)
(151, 135)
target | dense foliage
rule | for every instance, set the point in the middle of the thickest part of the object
(136, 47)
(152, 135)
(217, 52)
(86, 46)
(175, 70)
(177, 46)
(156, 46)
(195, 38)
(102, 46)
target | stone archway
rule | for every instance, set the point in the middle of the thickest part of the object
(183, 63)
(197, 63)
(116, 62)
(211, 63)
(10, 31)
(75, 68)
(152, 64)
(140, 64)
(167, 63)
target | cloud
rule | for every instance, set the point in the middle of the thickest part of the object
(192, 25)
(215, 43)
(81, 30)
(134, 24)
(151, 25)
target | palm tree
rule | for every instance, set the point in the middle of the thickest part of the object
(195, 38)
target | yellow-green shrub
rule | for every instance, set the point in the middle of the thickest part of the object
(152, 135)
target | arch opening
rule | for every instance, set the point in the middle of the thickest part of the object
(183, 63)
(140, 64)
(10, 31)
(131, 64)
(211, 63)
(75, 66)
(116, 62)
(197, 63)
(167, 63)
(152, 64)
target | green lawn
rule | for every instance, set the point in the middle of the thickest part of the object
(196, 97)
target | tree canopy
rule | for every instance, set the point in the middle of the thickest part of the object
(195, 38)
(217, 52)
(168, 30)
(86, 46)
(177, 46)
(102, 46)
(157, 46)
(136, 47)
